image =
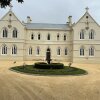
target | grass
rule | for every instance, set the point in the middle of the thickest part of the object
(66, 71)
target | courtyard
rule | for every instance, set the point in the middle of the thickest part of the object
(17, 86)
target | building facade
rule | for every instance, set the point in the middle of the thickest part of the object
(70, 42)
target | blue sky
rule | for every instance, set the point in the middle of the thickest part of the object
(54, 11)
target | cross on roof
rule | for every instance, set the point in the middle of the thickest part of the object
(87, 9)
(10, 7)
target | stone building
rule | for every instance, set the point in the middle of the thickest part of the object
(70, 42)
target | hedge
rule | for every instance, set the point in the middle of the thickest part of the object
(43, 65)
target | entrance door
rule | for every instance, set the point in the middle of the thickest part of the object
(48, 54)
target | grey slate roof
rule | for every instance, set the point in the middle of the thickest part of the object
(47, 26)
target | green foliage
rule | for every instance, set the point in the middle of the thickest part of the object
(42, 65)
(5, 3)
(65, 71)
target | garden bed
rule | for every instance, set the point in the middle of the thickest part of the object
(30, 69)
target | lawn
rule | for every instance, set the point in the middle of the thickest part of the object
(65, 71)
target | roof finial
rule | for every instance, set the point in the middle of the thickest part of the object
(10, 7)
(87, 9)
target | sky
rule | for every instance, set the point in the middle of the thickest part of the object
(53, 11)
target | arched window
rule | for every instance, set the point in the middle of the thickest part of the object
(39, 36)
(5, 33)
(15, 32)
(91, 34)
(66, 51)
(38, 51)
(32, 36)
(58, 36)
(48, 37)
(82, 34)
(30, 51)
(14, 49)
(65, 37)
(91, 51)
(58, 51)
(82, 51)
(4, 49)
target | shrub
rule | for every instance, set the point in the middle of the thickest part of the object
(43, 65)
(57, 65)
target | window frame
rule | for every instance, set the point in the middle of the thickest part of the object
(30, 51)
(15, 33)
(39, 36)
(66, 51)
(5, 33)
(32, 36)
(91, 52)
(4, 50)
(91, 34)
(58, 51)
(65, 37)
(14, 50)
(82, 34)
(48, 36)
(82, 52)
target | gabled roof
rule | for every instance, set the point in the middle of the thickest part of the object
(86, 13)
(47, 26)
(10, 11)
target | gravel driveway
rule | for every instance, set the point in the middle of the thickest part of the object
(16, 86)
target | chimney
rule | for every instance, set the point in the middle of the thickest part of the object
(70, 20)
(28, 19)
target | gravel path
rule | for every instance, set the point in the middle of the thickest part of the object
(16, 86)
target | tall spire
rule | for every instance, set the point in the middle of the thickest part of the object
(87, 9)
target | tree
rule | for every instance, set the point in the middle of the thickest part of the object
(5, 3)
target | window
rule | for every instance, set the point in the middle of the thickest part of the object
(82, 34)
(58, 36)
(66, 52)
(4, 49)
(32, 37)
(14, 33)
(30, 51)
(91, 34)
(39, 36)
(14, 50)
(48, 37)
(58, 51)
(91, 51)
(38, 51)
(82, 51)
(5, 33)
(65, 37)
